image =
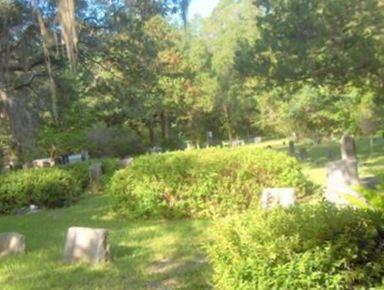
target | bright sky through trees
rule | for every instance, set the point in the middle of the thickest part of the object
(202, 7)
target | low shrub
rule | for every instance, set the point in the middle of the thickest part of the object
(202, 183)
(45, 187)
(304, 247)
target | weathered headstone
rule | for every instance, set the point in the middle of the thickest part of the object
(125, 162)
(342, 175)
(328, 154)
(84, 155)
(74, 158)
(272, 197)
(348, 147)
(303, 154)
(86, 245)
(291, 148)
(95, 174)
(12, 243)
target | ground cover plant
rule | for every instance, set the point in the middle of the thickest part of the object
(202, 183)
(304, 247)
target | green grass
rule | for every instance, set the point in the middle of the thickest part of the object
(315, 164)
(146, 254)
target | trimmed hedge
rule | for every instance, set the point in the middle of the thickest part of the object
(45, 187)
(304, 247)
(201, 183)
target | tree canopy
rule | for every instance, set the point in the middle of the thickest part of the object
(130, 75)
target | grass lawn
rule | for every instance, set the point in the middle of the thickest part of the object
(314, 166)
(146, 254)
(152, 254)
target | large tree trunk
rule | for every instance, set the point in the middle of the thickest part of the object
(165, 130)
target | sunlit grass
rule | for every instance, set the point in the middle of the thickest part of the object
(146, 254)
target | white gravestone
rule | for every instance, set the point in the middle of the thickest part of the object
(125, 162)
(12, 243)
(272, 197)
(342, 175)
(86, 245)
(348, 147)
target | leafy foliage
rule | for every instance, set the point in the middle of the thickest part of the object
(304, 247)
(46, 187)
(202, 183)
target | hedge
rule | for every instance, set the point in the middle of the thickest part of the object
(201, 183)
(44, 187)
(305, 247)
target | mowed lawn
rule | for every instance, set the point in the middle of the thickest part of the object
(146, 254)
(150, 254)
(370, 161)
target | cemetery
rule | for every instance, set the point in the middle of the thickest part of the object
(164, 235)
(191, 144)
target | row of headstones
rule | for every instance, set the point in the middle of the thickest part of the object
(342, 178)
(81, 245)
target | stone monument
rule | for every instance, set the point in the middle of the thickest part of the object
(86, 245)
(12, 243)
(272, 197)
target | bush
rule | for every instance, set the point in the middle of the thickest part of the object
(46, 187)
(307, 247)
(201, 183)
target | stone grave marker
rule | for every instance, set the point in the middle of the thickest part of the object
(342, 175)
(291, 148)
(328, 154)
(272, 197)
(12, 243)
(95, 174)
(303, 153)
(86, 245)
(125, 162)
(348, 147)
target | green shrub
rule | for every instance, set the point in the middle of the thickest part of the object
(201, 183)
(46, 187)
(304, 247)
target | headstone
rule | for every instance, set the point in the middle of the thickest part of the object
(272, 197)
(342, 175)
(45, 162)
(86, 245)
(84, 155)
(95, 173)
(189, 145)
(257, 140)
(348, 147)
(328, 154)
(155, 149)
(125, 162)
(291, 148)
(74, 158)
(303, 154)
(12, 243)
